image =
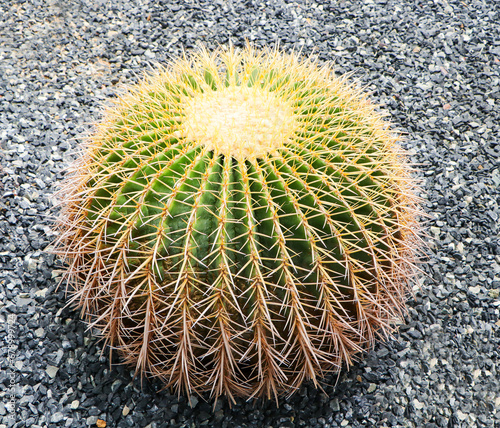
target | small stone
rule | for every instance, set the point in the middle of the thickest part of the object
(461, 415)
(194, 401)
(42, 292)
(432, 362)
(418, 405)
(125, 411)
(31, 264)
(334, 405)
(494, 293)
(92, 420)
(344, 423)
(371, 388)
(52, 371)
(56, 417)
(475, 289)
(100, 423)
(115, 385)
(66, 345)
(39, 332)
(436, 231)
(59, 355)
(382, 352)
(23, 299)
(75, 404)
(414, 334)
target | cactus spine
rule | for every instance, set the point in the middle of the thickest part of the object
(240, 222)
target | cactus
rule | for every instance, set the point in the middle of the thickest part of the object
(240, 222)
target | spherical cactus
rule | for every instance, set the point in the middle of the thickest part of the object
(240, 222)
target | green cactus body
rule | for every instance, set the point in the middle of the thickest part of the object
(240, 222)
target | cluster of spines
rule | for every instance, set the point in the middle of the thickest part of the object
(241, 276)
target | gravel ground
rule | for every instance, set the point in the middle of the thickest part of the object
(435, 65)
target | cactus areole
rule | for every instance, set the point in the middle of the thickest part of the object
(240, 222)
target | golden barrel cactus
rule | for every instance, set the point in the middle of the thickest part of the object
(239, 222)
